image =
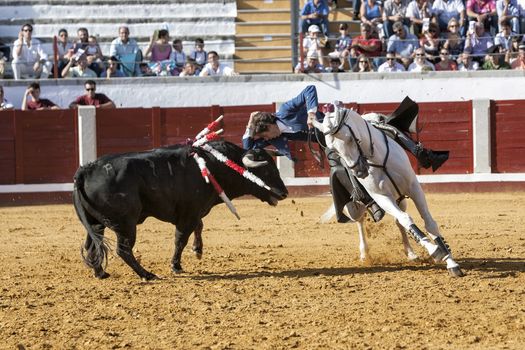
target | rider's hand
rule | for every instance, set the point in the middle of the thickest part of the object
(310, 121)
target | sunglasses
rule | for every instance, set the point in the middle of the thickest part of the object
(363, 62)
(27, 30)
(90, 89)
(390, 59)
(444, 53)
(419, 54)
(63, 35)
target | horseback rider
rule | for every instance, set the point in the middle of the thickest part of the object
(293, 122)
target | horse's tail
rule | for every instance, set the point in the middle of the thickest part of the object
(95, 255)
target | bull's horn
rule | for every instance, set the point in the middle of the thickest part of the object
(248, 161)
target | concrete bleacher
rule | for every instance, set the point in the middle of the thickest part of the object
(263, 41)
(212, 20)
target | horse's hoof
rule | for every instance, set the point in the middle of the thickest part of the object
(412, 257)
(102, 275)
(455, 272)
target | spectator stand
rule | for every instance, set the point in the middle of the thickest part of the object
(212, 20)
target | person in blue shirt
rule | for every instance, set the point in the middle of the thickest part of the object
(315, 12)
(291, 123)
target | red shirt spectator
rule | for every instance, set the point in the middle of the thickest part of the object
(36, 103)
(42, 103)
(365, 44)
(90, 98)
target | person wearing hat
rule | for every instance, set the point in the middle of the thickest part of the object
(314, 42)
(310, 65)
(519, 62)
(315, 12)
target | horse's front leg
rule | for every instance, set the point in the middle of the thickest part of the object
(363, 245)
(433, 230)
(408, 224)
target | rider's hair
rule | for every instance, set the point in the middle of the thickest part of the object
(262, 120)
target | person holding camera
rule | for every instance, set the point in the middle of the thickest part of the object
(80, 70)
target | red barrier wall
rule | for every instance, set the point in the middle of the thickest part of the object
(508, 141)
(41, 146)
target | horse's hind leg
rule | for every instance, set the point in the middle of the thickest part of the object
(433, 230)
(126, 237)
(411, 255)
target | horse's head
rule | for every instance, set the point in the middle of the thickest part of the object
(345, 131)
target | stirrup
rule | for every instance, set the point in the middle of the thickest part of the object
(376, 212)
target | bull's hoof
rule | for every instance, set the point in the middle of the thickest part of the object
(198, 252)
(102, 275)
(455, 272)
(177, 268)
(149, 277)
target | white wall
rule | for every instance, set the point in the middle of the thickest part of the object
(264, 89)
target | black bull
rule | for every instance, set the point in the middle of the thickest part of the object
(121, 191)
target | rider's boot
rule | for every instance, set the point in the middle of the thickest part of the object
(426, 158)
(374, 210)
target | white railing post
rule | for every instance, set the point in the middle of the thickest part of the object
(87, 134)
(481, 136)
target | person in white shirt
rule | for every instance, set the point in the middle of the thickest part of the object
(420, 63)
(390, 65)
(215, 68)
(4, 104)
(29, 59)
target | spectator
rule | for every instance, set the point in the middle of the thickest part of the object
(431, 42)
(335, 66)
(367, 45)
(363, 65)
(4, 104)
(394, 11)
(93, 50)
(483, 11)
(391, 65)
(199, 55)
(159, 48)
(465, 63)
(315, 12)
(178, 56)
(420, 63)
(453, 41)
(402, 44)
(36, 102)
(145, 70)
(508, 10)
(189, 70)
(215, 68)
(495, 59)
(80, 70)
(445, 63)
(372, 14)
(91, 98)
(418, 12)
(504, 37)
(81, 46)
(127, 52)
(29, 58)
(5, 51)
(311, 65)
(445, 10)
(478, 42)
(82, 40)
(113, 69)
(519, 62)
(313, 43)
(342, 46)
(65, 49)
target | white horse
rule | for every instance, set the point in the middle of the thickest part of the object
(383, 168)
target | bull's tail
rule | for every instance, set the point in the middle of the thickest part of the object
(95, 251)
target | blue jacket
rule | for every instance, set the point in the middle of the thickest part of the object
(293, 114)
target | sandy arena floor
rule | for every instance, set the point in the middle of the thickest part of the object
(276, 279)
